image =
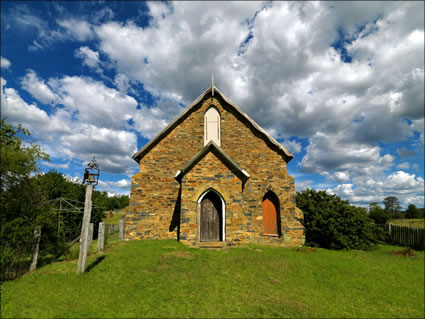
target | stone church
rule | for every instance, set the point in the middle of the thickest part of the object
(214, 178)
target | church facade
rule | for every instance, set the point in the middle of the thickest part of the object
(214, 178)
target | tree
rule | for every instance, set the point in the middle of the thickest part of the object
(19, 196)
(413, 212)
(392, 205)
(331, 222)
(17, 160)
(378, 214)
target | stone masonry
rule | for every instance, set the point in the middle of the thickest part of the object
(162, 207)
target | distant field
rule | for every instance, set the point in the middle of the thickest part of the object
(115, 219)
(167, 279)
(419, 223)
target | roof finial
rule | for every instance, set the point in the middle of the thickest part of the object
(212, 83)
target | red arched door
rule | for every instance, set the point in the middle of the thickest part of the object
(270, 214)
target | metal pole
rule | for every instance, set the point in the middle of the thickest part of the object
(85, 230)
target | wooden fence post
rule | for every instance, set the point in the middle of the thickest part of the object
(85, 230)
(37, 236)
(101, 237)
(121, 230)
(91, 228)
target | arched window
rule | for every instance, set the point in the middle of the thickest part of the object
(271, 214)
(212, 126)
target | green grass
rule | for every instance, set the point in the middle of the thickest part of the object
(167, 279)
(115, 219)
(418, 223)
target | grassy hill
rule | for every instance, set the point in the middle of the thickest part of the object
(166, 279)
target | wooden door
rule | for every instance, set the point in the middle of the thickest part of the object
(269, 217)
(210, 219)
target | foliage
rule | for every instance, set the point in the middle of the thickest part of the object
(27, 201)
(392, 205)
(163, 278)
(413, 212)
(18, 195)
(378, 214)
(17, 159)
(333, 223)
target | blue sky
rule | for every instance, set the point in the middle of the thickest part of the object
(340, 84)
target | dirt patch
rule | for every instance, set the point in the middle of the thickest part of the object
(276, 281)
(305, 249)
(408, 252)
(178, 254)
(169, 247)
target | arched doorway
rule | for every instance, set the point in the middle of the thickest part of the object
(271, 214)
(211, 217)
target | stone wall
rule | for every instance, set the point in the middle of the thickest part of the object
(162, 208)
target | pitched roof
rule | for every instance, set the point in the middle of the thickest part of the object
(219, 152)
(267, 137)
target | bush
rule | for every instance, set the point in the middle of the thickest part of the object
(333, 223)
(378, 214)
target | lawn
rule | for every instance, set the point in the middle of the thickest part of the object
(156, 278)
(415, 223)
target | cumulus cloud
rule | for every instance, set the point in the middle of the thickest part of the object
(90, 58)
(38, 88)
(93, 101)
(17, 111)
(77, 29)
(293, 146)
(408, 188)
(55, 165)
(5, 63)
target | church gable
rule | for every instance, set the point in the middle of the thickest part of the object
(212, 127)
(221, 155)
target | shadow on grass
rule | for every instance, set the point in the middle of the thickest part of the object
(97, 261)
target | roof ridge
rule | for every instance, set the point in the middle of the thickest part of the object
(139, 154)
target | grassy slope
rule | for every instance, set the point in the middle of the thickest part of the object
(115, 219)
(418, 223)
(166, 279)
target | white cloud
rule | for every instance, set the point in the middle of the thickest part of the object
(302, 185)
(366, 189)
(55, 165)
(293, 146)
(89, 57)
(123, 183)
(5, 63)
(17, 111)
(94, 102)
(77, 29)
(112, 148)
(38, 88)
(404, 165)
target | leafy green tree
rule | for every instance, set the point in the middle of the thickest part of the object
(333, 223)
(392, 205)
(20, 199)
(413, 212)
(378, 214)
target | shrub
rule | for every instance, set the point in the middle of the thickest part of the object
(378, 214)
(333, 223)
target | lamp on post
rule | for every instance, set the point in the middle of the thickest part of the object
(91, 179)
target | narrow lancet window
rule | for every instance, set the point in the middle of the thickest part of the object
(212, 126)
